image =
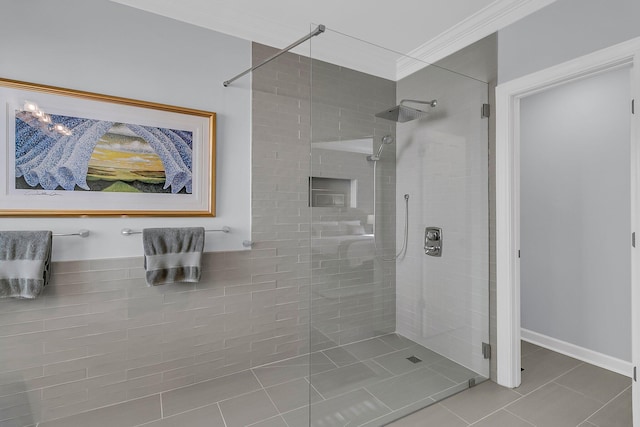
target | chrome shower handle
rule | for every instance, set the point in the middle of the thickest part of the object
(433, 241)
(433, 235)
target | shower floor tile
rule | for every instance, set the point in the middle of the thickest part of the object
(292, 369)
(353, 409)
(396, 341)
(403, 390)
(368, 383)
(348, 378)
(367, 349)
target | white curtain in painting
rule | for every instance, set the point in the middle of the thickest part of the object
(52, 160)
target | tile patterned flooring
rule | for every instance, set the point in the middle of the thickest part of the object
(556, 391)
(370, 383)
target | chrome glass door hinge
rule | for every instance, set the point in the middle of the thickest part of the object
(486, 111)
(486, 350)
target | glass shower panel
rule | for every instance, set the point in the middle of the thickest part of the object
(444, 163)
(393, 329)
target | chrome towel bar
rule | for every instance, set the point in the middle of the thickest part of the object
(129, 232)
(80, 233)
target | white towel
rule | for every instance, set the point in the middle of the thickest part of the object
(25, 263)
(172, 254)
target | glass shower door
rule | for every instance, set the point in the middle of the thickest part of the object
(393, 329)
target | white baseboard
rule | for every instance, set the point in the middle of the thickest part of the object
(619, 366)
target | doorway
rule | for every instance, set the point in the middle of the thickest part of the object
(509, 103)
(575, 219)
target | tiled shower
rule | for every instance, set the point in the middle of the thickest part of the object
(301, 329)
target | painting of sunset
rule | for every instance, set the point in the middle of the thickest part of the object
(79, 154)
(126, 162)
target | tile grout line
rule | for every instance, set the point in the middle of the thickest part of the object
(454, 414)
(544, 384)
(383, 368)
(603, 406)
(327, 356)
(577, 391)
(221, 414)
(267, 419)
(432, 403)
(502, 408)
(517, 416)
(321, 395)
(331, 348)
(265, 392)
(101, 407)
(378, 399)
(391, 413)
(315, 389)
(455, 383)
(589, 397)
(213, 403)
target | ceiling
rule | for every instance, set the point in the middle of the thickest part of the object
(427, 30)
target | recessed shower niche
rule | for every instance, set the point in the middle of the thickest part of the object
(332, 192)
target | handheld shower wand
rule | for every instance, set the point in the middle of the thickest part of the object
(387, 139)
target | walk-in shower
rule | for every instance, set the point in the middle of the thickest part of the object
(402, 331)
(315, 324)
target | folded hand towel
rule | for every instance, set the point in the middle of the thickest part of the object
(172, 254)
(25, 263)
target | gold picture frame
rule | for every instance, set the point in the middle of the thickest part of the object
(74, 153)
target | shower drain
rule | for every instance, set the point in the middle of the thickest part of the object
(413, 359)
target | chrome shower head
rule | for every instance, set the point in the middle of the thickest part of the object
(401, 113)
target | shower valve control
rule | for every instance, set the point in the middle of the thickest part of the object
(433, 241)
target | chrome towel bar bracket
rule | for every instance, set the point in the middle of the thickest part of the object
(80, 233)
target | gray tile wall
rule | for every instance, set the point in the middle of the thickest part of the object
(98, 335)
(354, 293)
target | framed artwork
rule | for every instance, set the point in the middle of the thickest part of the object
(69, 153)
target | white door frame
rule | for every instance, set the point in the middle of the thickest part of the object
(508, 96)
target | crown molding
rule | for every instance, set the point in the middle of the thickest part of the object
(363, 57)
(488, 20)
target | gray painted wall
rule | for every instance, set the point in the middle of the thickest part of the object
(104, 47)
(562, 31)
(575, 213)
